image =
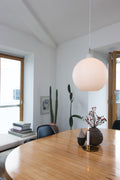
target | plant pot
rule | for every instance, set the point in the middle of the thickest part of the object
(96, 136)
(55, 127)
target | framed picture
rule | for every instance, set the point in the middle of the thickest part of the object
(44, 105)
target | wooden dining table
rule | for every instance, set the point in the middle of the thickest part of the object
(59, 157)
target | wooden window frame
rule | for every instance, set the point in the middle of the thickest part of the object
(112, 116)
(21, 80)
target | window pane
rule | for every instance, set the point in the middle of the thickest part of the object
(10, 82)
(9, 93)
(117, 92)
(118, 74)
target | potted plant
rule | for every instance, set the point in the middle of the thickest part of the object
(71, 101)
(53, 116)
(93, 121)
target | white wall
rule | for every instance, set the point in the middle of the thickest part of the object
(106, 36)
(99, 98)
(20, 43)
(28, 88)
(68, 54)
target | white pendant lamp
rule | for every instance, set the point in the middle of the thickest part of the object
(90, 74)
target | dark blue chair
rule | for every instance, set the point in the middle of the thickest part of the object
(43, 131)
(116, 125)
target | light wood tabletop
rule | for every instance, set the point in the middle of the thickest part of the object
(59, 157)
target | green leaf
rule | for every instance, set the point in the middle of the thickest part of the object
(56, 106)
(71, 122)
(69, 89)
(76, 116)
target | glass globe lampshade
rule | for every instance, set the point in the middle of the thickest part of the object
(90, 74)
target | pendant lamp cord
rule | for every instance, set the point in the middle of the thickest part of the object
(89, 26)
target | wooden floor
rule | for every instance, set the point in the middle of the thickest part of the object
(3, 156)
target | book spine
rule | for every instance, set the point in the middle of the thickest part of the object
(22, 125)
(21, 128)
(14, 124)
(21, 131)
(26, 127)
(28, 134)
(13, 133)
(17, 128)
(21, 135)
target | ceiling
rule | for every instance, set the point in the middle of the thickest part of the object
(56, 21)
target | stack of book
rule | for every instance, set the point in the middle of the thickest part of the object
(21, 129)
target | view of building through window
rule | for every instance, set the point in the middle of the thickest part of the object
(9, 93)
(118, 87)
(118, 74)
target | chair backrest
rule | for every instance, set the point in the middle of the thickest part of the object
(45, 130)
(116, 125)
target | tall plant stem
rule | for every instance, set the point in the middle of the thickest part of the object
(70, 109)
(51, 109)
(71, 120)
(56, 106)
